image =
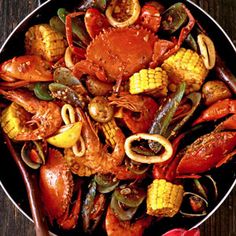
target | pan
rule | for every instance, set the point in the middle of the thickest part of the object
(9, 172)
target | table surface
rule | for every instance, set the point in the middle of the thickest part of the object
(223, 222)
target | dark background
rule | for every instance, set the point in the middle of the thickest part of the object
(223, 222)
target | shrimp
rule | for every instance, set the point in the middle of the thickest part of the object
(115, 227)
(96, 158)
(123, 173)
(146, 108)
(46, 118)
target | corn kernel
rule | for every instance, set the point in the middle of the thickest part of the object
(164, 198)
(149, 81)
(43, 40)
(109, 129)
(186, 65)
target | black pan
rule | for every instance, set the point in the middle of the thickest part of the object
(10, 179)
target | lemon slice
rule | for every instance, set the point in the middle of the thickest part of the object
(67, 136)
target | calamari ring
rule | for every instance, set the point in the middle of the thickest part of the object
(148, 159)
(207, 50)
(68, 116)
(134, 14)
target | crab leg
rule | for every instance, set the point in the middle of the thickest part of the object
(78, 51)
(171, 47)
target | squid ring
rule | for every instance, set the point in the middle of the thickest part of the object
(68, 58)
(134, 16)
(148, 159)
(207, 50)
(68, 116)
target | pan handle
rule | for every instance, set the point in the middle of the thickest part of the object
(31, 184)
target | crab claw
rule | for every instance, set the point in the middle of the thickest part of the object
(95, 22)
(150, 16)
(28, 68)
(57, 187)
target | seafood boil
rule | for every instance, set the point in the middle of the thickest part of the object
(121, 110)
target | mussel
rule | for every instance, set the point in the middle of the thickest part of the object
(198, 196)
(32, 154)
(92, 208)
(126, 200)
(173, 18)
(106, 182)
(86, 4)
(78, 27)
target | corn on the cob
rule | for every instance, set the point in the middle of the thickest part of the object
(43, 40)
(11, 120)
(150, 81)
(186, 65)
(109, 129)
(164, 198)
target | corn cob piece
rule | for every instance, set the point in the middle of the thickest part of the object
(109, 129)
(186, 65)
(164, 198)
(149, 81)
(43, 40)
(11, 120)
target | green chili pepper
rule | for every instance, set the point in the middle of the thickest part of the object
(195, 99)
(42, 91)
(164, 116)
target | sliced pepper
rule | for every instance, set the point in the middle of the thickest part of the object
(42, 91)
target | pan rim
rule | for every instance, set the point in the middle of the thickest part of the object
(220, 28)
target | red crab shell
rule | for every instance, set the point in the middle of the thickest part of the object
(56, 185)
(121, 51)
